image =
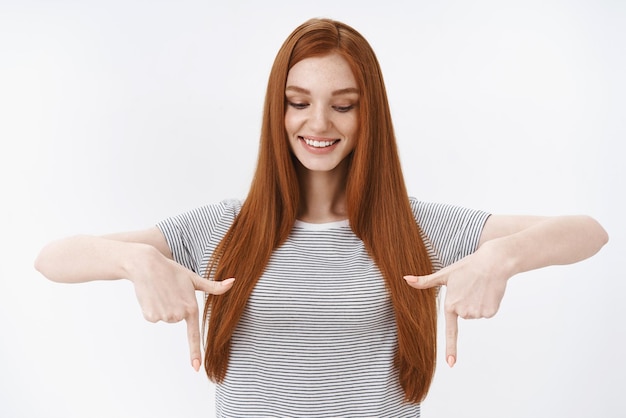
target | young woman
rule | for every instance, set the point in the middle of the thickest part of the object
(322, 284)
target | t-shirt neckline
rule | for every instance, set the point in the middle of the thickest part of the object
(321, 226)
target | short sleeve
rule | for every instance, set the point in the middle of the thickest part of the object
(193, 236)
(450, 232)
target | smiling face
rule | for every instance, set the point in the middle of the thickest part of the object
(321, 119)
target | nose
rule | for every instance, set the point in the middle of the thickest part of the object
(319, 120)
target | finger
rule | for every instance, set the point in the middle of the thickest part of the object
(193, 335)
(212, 286)
(452, 332)
(426, 282)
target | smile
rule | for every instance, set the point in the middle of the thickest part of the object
(317, 143)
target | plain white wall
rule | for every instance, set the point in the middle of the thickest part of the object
(115, 114)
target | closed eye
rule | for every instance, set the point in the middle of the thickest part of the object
(298, 105)
(343, 109)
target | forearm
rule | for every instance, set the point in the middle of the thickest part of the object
(85, 258)
(552, 241)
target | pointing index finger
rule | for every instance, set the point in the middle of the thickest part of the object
(193, 335)
(452, 332)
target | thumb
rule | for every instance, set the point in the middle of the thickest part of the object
(426, 282)
(213, 287)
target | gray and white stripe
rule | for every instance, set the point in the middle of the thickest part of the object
(318, 336)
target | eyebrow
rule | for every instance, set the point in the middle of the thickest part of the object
(347, 90)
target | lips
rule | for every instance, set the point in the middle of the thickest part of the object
(318, 142)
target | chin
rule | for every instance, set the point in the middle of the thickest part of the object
(323, 165)
(317, 167)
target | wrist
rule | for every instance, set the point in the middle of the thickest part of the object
(505, 255)
(136, 257)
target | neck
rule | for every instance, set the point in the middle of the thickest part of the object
(323, 194)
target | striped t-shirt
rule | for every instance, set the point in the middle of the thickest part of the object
(318, 336)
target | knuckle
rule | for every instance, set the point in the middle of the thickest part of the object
(172, 317)
(194, 335)
(191, 308)
(188, 310)
(177, 317)
(450, 308)
(214, 288)
(472, 314)
(490, 313)
(150, 316)
(451, 332)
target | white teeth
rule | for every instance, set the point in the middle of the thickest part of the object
(318, 144)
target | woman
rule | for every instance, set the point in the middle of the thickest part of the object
(307, 310)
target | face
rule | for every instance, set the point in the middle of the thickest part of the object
(322, 111)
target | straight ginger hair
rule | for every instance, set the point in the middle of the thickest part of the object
(378, 208)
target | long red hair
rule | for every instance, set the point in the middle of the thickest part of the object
(377, 203)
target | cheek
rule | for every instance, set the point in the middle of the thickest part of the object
(352, 127)
(291, 127)
(290, 123)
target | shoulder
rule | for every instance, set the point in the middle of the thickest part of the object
(453, 230)
(435, 212)
(230, 207)
(227, 208)
(204, 219)
(447, 222)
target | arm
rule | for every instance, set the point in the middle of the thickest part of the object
(165, 289)
(528, 243)
(84, 258)
(508, 245)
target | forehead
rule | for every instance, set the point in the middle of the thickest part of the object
(327, 72)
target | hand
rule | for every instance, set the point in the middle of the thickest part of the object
(475, 287)
(166, 292)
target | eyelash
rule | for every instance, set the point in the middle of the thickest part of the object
(343, 109)
(297, 105)
(340, 109)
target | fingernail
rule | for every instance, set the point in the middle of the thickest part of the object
(451, 360)
(196, 364)
(228, 281)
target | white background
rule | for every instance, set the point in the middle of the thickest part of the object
(115, 114)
